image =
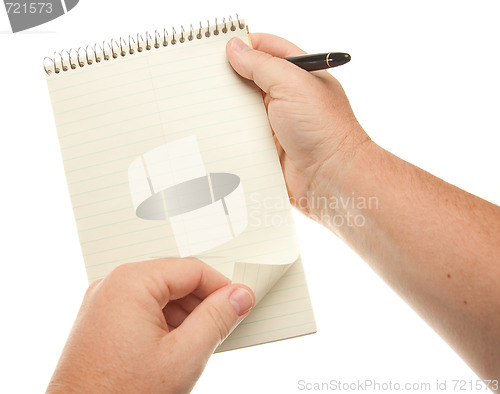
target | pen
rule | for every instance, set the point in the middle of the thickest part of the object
(320, 61)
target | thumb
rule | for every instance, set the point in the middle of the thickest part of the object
(265, 70)
(214, 318)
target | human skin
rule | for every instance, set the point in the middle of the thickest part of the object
(149, 327)
(436, 245)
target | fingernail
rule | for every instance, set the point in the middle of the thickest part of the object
(241, 300)
(239, 46)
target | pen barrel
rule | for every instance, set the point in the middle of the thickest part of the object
(310, 62)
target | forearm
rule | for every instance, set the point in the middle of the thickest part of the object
(434, 244)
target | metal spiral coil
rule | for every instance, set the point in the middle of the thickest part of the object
(65, 60)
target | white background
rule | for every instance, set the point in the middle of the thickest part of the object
(423, 81)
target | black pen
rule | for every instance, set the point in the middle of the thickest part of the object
(320, 61)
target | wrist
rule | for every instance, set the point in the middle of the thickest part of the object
(79, 382)
(334, 192)
(74, 375)
(64, 385)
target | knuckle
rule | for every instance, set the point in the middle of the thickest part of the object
(92, 287)
(122, 276)
(121, 271)
(193, 261)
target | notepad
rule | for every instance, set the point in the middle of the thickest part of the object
(169, 153)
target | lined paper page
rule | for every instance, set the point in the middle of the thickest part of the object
(112, 114)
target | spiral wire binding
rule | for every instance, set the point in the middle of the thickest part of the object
(65, 60)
